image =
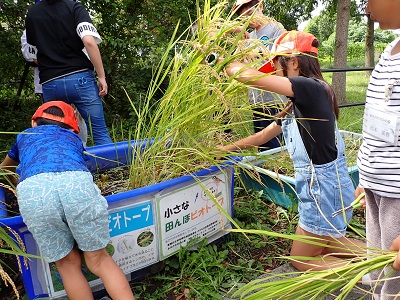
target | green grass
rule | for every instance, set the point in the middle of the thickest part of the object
(350, 118)
(217, 270)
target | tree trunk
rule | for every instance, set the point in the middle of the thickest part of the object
(340, 55)
(369, 46)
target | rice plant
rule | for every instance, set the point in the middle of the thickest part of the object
(339, 280)
(200, 105)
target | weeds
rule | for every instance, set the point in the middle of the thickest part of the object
(217, 270)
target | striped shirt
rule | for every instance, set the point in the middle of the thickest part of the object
(379, 161)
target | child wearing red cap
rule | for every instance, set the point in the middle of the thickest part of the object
(379, 155)
(316, 148)
(60, 203)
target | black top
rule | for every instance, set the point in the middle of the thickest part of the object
(53, 29)
(312, 101)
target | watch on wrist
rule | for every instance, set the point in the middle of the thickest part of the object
(211, 59)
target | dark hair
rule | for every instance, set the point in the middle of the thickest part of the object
(246, 6)
(309, 67)
(55, 111)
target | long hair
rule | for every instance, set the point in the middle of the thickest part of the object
(309, 67)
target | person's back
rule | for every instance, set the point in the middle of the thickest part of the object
(52, 29)
(50, 148)
(64, 42)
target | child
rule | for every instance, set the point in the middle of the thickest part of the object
(26, 49)
(64, 42)
(267, 30)
(309, 128)
(379, 154)
(61, 205)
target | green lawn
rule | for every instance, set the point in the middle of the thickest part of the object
(351, 117)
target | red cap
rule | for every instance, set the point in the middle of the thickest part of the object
(69, 118)
(291, 42)
(239, 3)
(268, 67)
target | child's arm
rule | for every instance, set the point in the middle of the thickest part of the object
(238, 30)
(256, 139)
(9, 164)
(250, 76)
(359, 190)
(95, 57)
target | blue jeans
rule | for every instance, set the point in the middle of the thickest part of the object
(81, 90)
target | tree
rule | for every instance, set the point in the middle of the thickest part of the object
(135, 34)
(12, 14)
(290, 12)
(340, 56)
(321, 26)
(369, 46)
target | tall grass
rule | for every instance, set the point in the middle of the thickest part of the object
(199, 105)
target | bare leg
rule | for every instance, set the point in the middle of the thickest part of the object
(75, 283)
(329, 257)
(101, 264)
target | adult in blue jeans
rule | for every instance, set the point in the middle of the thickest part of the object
(64, 42)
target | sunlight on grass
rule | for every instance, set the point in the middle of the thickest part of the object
(350, 118)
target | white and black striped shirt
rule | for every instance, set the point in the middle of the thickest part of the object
(379, 161)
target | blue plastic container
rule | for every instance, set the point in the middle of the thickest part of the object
(3, 208)
(168, 214)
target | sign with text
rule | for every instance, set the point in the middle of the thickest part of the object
(192, 212)
(133, 236)
(133, 245)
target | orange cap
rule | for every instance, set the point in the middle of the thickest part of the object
(69, 118)
(291, 42)
(240, 3)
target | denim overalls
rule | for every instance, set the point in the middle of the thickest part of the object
(321, 189)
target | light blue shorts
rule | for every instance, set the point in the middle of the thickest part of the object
(60, 208)
(320, 195)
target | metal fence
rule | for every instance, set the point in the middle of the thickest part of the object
(348, 70)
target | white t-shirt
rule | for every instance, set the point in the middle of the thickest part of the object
(378, 160)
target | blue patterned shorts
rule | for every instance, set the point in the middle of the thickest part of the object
(60, 208)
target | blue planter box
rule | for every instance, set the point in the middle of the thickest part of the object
(275, 187)
(147, 224)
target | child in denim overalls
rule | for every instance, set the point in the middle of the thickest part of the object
(308, 124)
(61, 205)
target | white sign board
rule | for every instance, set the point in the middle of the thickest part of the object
(189, 212)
